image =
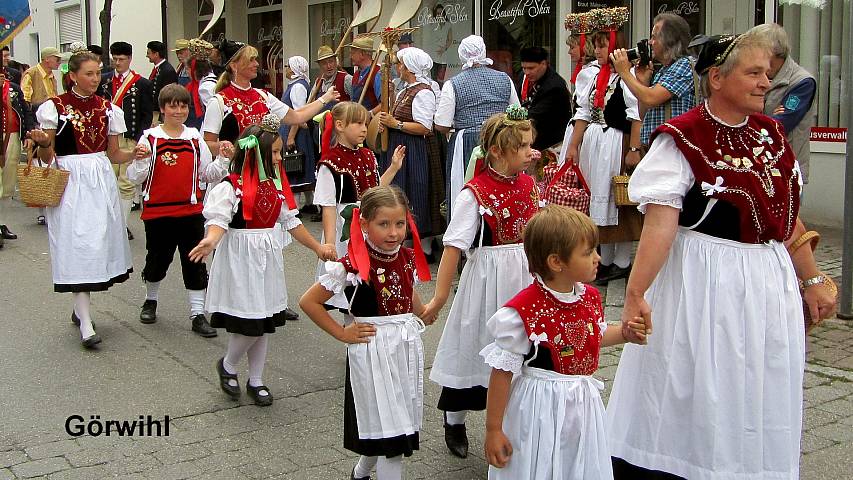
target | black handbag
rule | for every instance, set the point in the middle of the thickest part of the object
(294, 163)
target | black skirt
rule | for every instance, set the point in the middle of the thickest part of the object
(250, 327)
(374, 447)
(91, 287)
(459, 399)
(623, 470)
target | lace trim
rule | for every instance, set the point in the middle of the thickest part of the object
(496, 357)
(336, 277)
(673, 202)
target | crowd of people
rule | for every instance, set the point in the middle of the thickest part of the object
(713, 391)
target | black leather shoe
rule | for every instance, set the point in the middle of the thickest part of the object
(353, 477)
(6, 233)
(201, 327)
(260, 400)
(290, 315)
(90, 342)
(149, 312)
(76, 320)
(456, 438)
(129, 234)
(135, 206)
(232, 391)
(41, 220)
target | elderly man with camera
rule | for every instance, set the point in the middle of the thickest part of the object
(669, 91)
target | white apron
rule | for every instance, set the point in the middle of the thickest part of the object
(717, 393)
(600, 158)
(386, 375)
(555, 424)
(87, 232)
(457, 169)
(338, 300)
(247, 274)
(491, 277)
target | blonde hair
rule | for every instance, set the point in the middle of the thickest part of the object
(247, 53)
(506, 135)
(588, 52)
(556, 230)
(349, 112)
(389, 196)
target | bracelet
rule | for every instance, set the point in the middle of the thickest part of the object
(810, 236)
(634, 149)
(400, 126)
(816, 280)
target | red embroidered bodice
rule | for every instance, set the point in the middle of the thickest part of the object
(83, 118)
(756, 166)
(510, 203)
(392, 281)
(173, 188)
(268, 204)
(248, 106)
(359, 166)
(572, 329)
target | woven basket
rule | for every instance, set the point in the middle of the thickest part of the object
(620, 191)
(41, 186)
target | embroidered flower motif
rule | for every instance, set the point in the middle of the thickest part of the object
(169, 159)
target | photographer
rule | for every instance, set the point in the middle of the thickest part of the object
(669, 91)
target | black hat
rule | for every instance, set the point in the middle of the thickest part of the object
(534, 54)
(698, 41)
(96, 49)
(714, 52)
(405, 38)
(121, 48)
(229, 48)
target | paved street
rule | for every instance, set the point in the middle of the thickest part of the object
(164, 369)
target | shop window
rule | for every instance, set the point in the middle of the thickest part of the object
(205, 13)
(509, 26)
(442, 24)
(819, 34)
(264, 22)
(692, 11)
(327, 23)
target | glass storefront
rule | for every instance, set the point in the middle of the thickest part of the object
(265, 35)
(441, 27)
(509, 25)
(327, 23)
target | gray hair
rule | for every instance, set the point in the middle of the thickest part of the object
(748, 41)
(775, 35)
(674, 35)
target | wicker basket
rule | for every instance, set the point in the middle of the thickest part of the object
(620, 191)
(41, 186)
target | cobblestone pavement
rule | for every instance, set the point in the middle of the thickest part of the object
(164, 370)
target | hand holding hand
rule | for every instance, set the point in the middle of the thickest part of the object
(498, 448)
(636, 315)
(226, 149)
(327, 252)
(430, 313)
(202, 250)
(140, 152)
(357, 333)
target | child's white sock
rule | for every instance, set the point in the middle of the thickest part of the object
(389, 468)
(622, 254)
(82, 300)
(364, 466)
(456, 418)
(152, 290)
(196, 301)
(238, 345)
(257, 358)
(426, 245)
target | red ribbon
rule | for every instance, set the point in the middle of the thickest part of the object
(421, 264)
(357, 248)
(326, 138)
(285, 189)
(604, 74)
(525, 84)
(249, 175)
(579, 65)
(193, 88)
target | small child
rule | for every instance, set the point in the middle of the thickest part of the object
(489, 215)
(345, 171)
(383, 403)
(248, 295)
(174, 177)
(549, 422)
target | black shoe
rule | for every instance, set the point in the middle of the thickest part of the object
(613, 273)
(135, 206)
(201, 327)
(6, 233)
(456, 438)
(601, 277)
(290, 315)
(41, 220)
(1, 242)
(353, 477)
(232, 391)
(129, 234)
(90, 342)
(76, 320)
(149, 312)
(260, 400)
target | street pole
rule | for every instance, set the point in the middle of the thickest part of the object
(845, 308)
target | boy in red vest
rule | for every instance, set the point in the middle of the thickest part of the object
(174, 177)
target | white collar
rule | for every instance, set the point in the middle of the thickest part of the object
(238, 87)
(720, 120)
(382, 250)
(157, 65)
(565, 297)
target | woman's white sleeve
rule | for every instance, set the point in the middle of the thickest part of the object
(47, 116)
(663, 177)
(511, 343)
(464, 222)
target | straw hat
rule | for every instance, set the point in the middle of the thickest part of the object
(362, 43)
(325, 52)
(181, 44)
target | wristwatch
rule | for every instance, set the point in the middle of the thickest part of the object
(400, 126)
(816, 280)
(634, 149)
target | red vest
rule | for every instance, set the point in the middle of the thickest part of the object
(173, 188)
(247, 106)
(392, 278)
(358, 165)
(268, 202)
(756, 165)
(86, 119)
(572, 330)
(510, 203)
(370, 99)
(340, 86)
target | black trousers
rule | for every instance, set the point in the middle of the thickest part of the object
(164, 235)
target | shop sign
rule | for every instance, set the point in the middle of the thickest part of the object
(523, 8)
(442, 26)
(828, 140)
(691, 10)
(452, 14)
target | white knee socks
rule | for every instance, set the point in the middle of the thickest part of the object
(364, 466)
(618, 253)
(389, 468)
(152, 290)
(426, 245)
(196, 302)
(456, 418)
(255, 348)
(82, 300)
(257, 358)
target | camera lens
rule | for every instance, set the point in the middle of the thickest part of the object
(633, 54)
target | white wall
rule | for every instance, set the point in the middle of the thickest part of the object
(823, 197)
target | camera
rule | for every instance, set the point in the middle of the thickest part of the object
(643, 52)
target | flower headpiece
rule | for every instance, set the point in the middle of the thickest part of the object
(270, 123)
(515, 114)
(78, 48)
(578, 23)
(200, 49)
(608, 19)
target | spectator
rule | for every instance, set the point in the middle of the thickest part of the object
(361, 51)
(182, 51)
(546, 96)
(162, 74)
(38, 83)
(332, 76)
(15, 121)
(12, 73)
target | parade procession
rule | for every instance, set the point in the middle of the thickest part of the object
(514, 240)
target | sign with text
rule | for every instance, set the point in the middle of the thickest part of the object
(441, 27)
(510, 25)
(691, 10)
(828, 140)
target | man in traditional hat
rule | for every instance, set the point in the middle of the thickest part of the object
(331, 75)
(182, 50)
(161, 75)
(133, 93)
(361, 54)
(546, 96)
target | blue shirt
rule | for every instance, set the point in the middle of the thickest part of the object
(677, 78)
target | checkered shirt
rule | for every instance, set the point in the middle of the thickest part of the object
(678, 79)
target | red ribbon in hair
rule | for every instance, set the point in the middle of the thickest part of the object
(193, 89)
(421, 264)
(360, 259)
(285, 189)
(604, 74)
(249, 175)
(579, 65)
(326, 138)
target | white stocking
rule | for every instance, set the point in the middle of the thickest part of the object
(389, 468)
(238, 345)
(82, 301)
(456, 418)
(364, 466)
(257, 359)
